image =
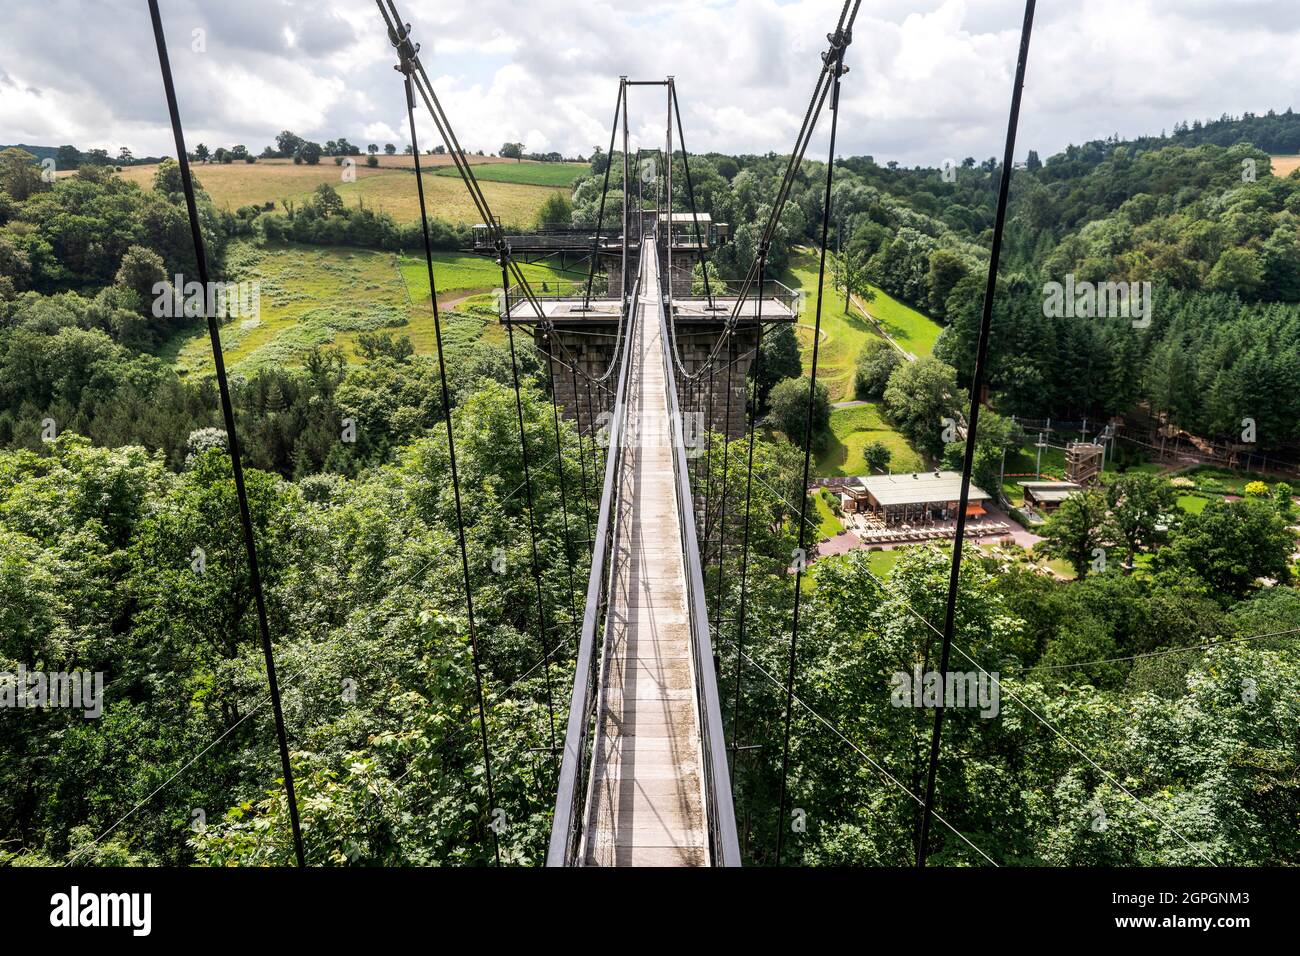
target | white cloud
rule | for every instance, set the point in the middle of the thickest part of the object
(929, 78)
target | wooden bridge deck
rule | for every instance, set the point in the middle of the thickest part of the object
(646, 806)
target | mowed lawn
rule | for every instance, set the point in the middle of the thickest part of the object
(842, 335)
(313, 296)
(389, 188)
(852, 429)
(909, 328)
(525, 174)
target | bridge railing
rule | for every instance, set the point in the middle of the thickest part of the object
(535, 240)
(552, 290)
(724, 846)
(575, 766)
(773, 291)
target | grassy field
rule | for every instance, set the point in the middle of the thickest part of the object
(844, 334)
(842, 337)
(526, 174)
(852, 429)
(389, 188)
(1285, 165)
(913, 331)
(828, 524)
(314, 296)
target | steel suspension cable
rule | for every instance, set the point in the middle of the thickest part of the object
(582, 453)
(564, 499)
(399, 33)
(690, 192)
(619, 104)
(405, 69)
(708, 450)
(838, 45)
(532, 519)
(977, 387)
(844, 27)
(232, 440)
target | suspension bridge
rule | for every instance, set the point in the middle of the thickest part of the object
(644, 773)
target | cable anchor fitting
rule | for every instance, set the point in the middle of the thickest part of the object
(839, 41)
(407, 51)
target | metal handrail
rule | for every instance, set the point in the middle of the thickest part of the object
(773, 290)
(559, 290)
(723, 843)
(571, 798)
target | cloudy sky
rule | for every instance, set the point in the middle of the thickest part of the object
(930, 79)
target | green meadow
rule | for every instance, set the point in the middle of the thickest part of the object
(314, 296)
(852, 429)
(525, 174)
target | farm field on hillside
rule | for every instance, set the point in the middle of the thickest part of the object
(395, 194)
(389, 188)
(1285, 165)
(528, 174)
(315, 296)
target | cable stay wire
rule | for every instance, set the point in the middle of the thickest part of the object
(564, 499)
(996, 679)
(1002, 688)
(399, 35)
(620, 106)
(232, 440)
(844, 26)
(405, 51)
(875, 765)
(834, 58)
(972, 419)
(532, 517)
(722, 497)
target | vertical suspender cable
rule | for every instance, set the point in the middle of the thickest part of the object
(228, 411)
(591, 435)
(976, 388)
(582, 450)
(668, 190)
(839, 42)
(564, 496)
(504, 252)
(405, 68)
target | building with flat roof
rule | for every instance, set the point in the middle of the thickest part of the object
(908, 498)
(1046, 496)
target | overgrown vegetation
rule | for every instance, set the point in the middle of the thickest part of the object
(1172, 662)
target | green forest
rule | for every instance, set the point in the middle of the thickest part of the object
(1168, 672)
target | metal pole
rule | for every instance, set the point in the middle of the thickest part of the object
(977, 387)
(228, 413)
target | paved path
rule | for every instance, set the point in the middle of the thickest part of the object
(646, 806)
